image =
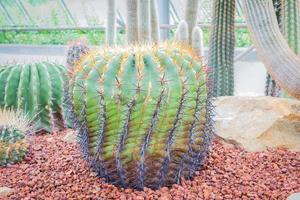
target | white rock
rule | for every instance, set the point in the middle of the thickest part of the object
(295, 196)
(257, 123)
(5, 191)
(70, 137)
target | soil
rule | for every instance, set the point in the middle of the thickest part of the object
(55, 169)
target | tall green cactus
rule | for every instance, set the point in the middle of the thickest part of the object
(143, 114)
(155, 36)
(290, 23)
(14, 126)
(144, 21)
(132, 22)
(221, 48)
(111, 23)
(36, 88)
(182, 33)
(197, 41)
(191, 13)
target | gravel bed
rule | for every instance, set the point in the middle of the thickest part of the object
(54, 169)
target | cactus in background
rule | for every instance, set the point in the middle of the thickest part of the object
(76, 49)
(155, 36)
(37, 89)
(13, 128)
(271, 88)
(197, 41)
(144, 21)
(182, 34)
(290, 23)
(191, 13)
(132, 22)
(143, 114)
(221, 48)
(111, 23)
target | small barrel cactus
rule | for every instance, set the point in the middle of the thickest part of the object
(14, 125)
(36, 88)
(76, 49)
(143, 114)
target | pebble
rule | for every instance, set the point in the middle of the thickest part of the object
(55, 169)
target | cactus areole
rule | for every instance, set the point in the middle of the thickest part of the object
(143, 114)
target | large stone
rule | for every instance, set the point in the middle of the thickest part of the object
(5, 192)
(295, 196)
(70, 137)
(257, 123)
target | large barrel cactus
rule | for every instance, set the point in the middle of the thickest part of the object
(14, 126)
(143, 114)
(37, 89)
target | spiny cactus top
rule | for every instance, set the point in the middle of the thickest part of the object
(13, 127)
(76, 49)
(143, 114)
(36, 88)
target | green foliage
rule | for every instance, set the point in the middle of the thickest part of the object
(93, 37)
(143, 114)
(13, 143)
(36, 88)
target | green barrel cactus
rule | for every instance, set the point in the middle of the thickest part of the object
(36, 88)
(143, 114)
(13, 143)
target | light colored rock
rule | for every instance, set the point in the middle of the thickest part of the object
(5, 191)
(257, 123)
(295, 196)
(70, 137)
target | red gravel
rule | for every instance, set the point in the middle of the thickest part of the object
(55, 170)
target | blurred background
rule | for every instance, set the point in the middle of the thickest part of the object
(41, 29)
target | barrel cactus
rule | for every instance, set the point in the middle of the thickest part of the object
(14, 125)
(36, 88)
(76, 49)
(143, 114)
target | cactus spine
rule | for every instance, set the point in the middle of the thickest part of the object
(182, 34)
(155, 36)
(221, 48)
(37, 89)
(191, 12)
(143, 114)
(13, 143)
(111, 23)
(197, 41)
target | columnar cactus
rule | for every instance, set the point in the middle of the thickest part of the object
(197, 41)
(111, 23)
(143, 114)
(155, 36)
(36, 88)
(144, 21)
(290, 23)
(182, 34)
(221, 48)
(76, 49)
(132, 22)
(191, 13)
(14, 125)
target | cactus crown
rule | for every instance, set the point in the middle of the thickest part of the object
(14, 125)
(76, 49)
(143, 113)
